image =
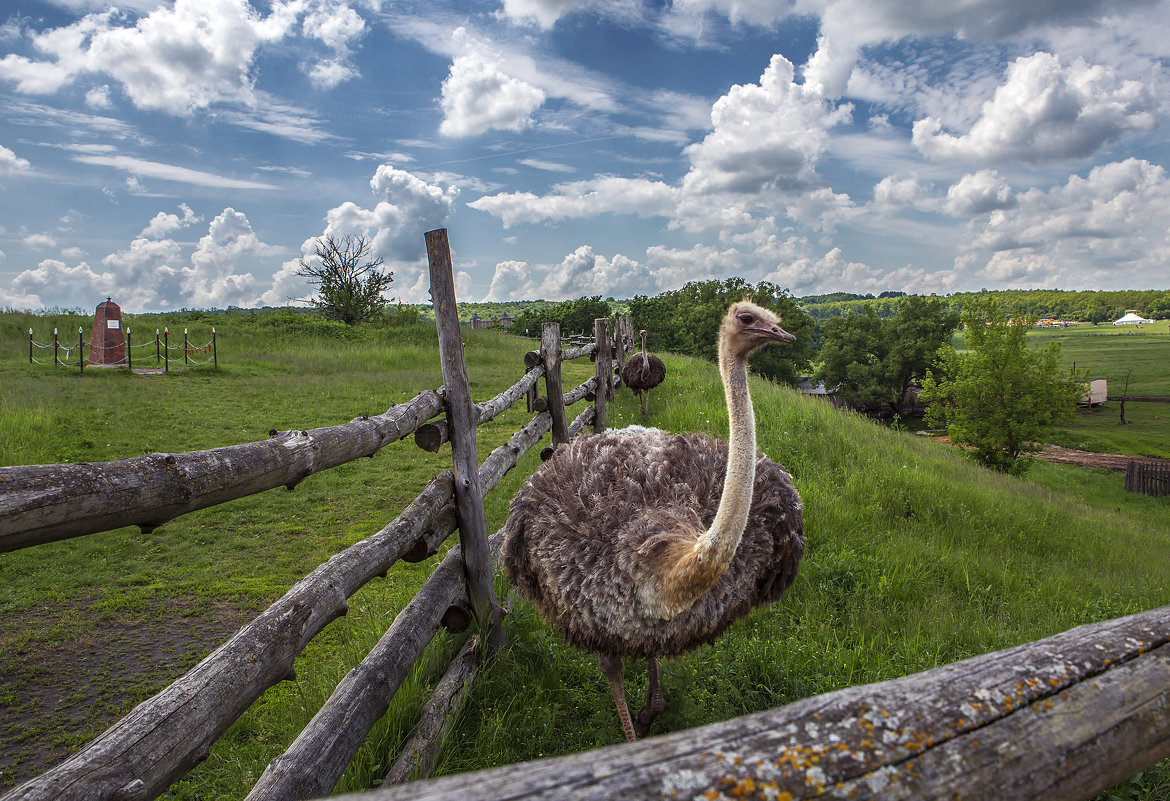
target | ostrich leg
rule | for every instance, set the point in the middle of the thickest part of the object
(611, 667)
(655, 701)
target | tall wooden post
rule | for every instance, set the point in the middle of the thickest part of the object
(186, 346)
(56, 346)
(461, 422)
(80, 350)
(550, 354)
(603, 370)
(157, 355)
(214, 351)
(166, 350)
(129, 351)
(30, 346)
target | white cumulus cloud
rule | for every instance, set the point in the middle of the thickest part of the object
(770, 134)
(1045, 111)
(979, 193)
(478, 95)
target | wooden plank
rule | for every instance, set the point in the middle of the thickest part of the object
(550, 354)
(315, 761)
(432, 436)
(44, 503)
(438, 717)
(461, 423)
(603, 372)
(1065, 717)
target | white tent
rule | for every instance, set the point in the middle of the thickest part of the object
(1131, 319)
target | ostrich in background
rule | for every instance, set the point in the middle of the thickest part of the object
(642, 373)
(637, 544)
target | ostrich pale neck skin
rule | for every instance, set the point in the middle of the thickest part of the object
(692, 568)
(645, 358)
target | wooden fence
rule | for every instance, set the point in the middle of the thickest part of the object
(140, 756)
(1147, 477)
(1064, 717)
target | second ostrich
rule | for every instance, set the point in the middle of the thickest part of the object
(639, 544)
(642, 373)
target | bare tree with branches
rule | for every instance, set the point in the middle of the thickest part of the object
(349, 279)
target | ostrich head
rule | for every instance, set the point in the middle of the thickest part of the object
(747, 326)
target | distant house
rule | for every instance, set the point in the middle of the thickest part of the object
(503, 321)
(1131, 318)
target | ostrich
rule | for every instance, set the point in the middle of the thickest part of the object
(626, 543)
(642, 373)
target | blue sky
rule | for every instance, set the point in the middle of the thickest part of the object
(188, 153)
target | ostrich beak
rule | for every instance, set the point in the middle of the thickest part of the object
(775, 332)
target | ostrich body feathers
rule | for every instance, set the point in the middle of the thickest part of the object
(643, 371)
(589, 527)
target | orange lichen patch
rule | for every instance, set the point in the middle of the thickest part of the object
(711, 795)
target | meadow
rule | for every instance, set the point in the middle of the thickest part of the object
(916, 556)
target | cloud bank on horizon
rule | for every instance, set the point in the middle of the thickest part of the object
(188, 153)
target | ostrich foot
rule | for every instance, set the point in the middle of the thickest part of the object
(655, 701)
(611, 668)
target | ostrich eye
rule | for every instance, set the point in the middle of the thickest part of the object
(746, 319)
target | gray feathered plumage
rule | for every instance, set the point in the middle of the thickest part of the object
(582, 531)
(642, 372)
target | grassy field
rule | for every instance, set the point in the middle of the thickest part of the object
(916, 556)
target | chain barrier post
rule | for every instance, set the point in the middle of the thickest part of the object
(30, 346)
(214, 350)
(157, 355)
(166, 350)
(129, 351)
(80, 350)
(186, 347)
(56, 344)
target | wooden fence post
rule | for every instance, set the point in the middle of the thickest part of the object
(550, 353)
(80, 350)
(186, 346)
(56, 346)
(157, 354)
(214, 351)
(603, 369)
(129, 351)
(166, 350)
(461, 423)
(30, 346)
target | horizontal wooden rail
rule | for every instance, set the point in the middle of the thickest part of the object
(165, 736)
(1065, 717)
(431, 436)
(44, 503)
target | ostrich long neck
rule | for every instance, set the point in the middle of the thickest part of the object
(723, 537)
(695, 567)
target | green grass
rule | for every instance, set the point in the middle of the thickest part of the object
(916, 557)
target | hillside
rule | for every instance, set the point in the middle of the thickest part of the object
(916, 556)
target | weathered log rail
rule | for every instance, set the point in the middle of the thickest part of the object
(141, 755)
(1061, 718)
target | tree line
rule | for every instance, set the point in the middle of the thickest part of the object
(996, 396)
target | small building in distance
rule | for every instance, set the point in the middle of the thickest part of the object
(1096, 392)
(1131, 318)
(503, 321)
(107, 341)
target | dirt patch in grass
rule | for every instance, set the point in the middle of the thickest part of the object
(1057, 453)
(58, 693)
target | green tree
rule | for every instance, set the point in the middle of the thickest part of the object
(687, 321)
(869, 360)
(574, 316)
(350, 283)
(1000, 395)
